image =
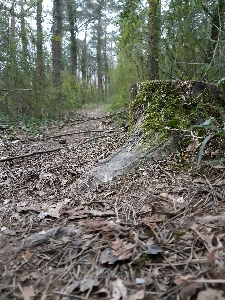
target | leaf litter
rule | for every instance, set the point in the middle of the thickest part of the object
(156, 233)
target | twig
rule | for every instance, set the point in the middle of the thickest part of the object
(80, 132)
(30, 154)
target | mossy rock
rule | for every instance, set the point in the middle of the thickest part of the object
(160, 106)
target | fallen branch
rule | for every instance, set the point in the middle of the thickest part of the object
(50, 150)
(80, 132)
(30, 154)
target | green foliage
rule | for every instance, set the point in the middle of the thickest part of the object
(69, 90)
(206, 126)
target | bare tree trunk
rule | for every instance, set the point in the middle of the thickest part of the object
(39, 45)
(24, 36)
(73, 40)
(99, 51)
(84, 59)
(153, 38)
(106, 66)
(57, 43)
(217, 22)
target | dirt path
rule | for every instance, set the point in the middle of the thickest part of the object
(157, 233)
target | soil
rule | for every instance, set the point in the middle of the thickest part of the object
(154, 233)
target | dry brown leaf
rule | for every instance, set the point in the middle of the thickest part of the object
(146, 209)
(119, 290)
(151, 221)
(178, 281)
(103, 227)
(122, 249)
(28, 293)
(210, 294)
(187, 236)
(137, 296)
(23, 277)
(87, 284)
(28, 254)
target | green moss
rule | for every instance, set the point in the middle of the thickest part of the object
(166, 104)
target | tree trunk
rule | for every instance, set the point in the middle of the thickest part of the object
(99, 51)
(73, 40)
(217, 22)
(39, 45)
(84, 59)
(153, 38)
(57, 43)
(24, 37)
(106, 65)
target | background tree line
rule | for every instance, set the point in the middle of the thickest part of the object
(95, 50)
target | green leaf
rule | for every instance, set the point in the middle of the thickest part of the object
(211, 127)
(202, 148)
(222, 133)
(173, 123)
(207, 122)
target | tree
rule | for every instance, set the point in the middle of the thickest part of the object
(39, 45)
(24, 37)
(57, 43)
(153, 38)
(71, 11)
(99, 48)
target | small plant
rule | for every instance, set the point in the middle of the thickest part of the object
(213, 132)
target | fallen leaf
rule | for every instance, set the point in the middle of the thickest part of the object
(28, 254)
(106, 256)
(28, 293)
(87, 284)
(153, 249)
(138, 296)
(122, 249)
(23, 277)
(119, 290)
(103, 227)
(210, 294)
(180, 200)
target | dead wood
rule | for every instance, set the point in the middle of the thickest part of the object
(30, 154)
(80, 132)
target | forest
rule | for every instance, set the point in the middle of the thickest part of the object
(57, 56)
(112, 138)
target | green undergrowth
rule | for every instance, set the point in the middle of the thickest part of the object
(167, 106)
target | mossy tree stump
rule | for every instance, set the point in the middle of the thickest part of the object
(158, 106)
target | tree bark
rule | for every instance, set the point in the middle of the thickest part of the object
(39, 45)
(57, 43)
(24, 37)
(153, 38)
(99, 50)
(73, 40)
(217, 22)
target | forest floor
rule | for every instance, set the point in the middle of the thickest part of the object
(156, 233)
